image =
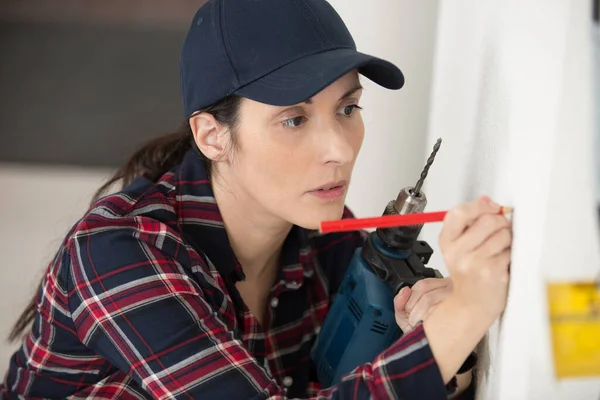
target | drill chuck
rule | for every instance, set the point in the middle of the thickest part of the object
(403, 238)
(410, 200)
(408, 203)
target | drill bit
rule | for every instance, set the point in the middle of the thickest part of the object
(417, 188)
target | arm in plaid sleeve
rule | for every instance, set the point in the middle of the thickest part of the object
(133, 303)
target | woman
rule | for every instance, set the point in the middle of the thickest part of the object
(204, 277)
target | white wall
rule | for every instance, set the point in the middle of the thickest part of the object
(512, 99)
(570, 240)
(38, 205)
(402, 32)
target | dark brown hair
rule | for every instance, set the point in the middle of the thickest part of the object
(151, 161)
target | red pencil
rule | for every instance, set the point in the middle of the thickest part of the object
(389, 221)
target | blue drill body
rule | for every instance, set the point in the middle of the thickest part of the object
(359, 325)
(361, 322)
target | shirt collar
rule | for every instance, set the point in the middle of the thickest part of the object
(202, 226)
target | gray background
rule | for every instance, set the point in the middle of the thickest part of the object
(85, 84)
(81, 95)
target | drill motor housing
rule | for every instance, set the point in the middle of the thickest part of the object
(361, 322)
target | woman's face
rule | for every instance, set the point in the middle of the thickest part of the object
(295, 162)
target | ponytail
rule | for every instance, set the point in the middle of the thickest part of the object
(152, 160)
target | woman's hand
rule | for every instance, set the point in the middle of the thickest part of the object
(475, 242)
(412, 305)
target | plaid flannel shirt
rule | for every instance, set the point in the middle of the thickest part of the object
(140, 302)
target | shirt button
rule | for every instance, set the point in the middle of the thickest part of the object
(274, 302)
(287, 381)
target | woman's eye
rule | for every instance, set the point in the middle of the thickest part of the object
(293, 122)
(348, 110)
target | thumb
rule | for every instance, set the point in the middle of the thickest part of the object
(401, 315)
(402, 298)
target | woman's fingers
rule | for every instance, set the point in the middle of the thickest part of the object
(426, 303)
(502, 263)
(498, 243)
(412, 305)
(461, 217)
(480, 231)
(400, 312)
(424, 286)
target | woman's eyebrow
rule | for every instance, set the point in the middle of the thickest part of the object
(351, 92)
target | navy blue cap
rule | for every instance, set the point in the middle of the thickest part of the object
(278, 52)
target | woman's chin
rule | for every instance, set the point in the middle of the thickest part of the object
(312, 220)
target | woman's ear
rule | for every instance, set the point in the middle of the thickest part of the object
(210, 136)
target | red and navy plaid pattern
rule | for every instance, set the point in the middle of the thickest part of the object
(140, 303)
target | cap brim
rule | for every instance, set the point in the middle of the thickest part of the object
(305, 77)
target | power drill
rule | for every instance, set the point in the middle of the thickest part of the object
(361, 322)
